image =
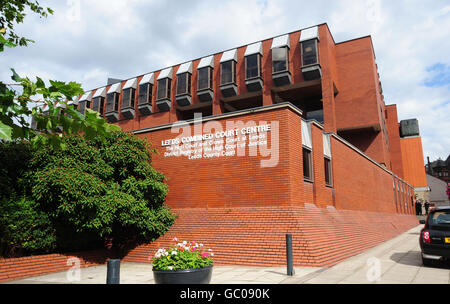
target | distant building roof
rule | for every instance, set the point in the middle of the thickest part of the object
(432, 166)
(440, 163)
(438, 189)
(113, 81)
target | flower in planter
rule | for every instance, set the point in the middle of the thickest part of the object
(184, 255)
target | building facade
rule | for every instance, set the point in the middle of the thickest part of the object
(439, 169)
(294, 129)
(438, 191)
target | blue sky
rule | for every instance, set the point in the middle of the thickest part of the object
(89, 41)
(439, 75)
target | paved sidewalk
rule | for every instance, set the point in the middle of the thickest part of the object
(139, 273)
(396, 261)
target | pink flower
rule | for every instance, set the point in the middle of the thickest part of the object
(192, 249)
(175, 239)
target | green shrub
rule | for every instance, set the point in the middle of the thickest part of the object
(24, 228)
(96, 191)
(14, 160)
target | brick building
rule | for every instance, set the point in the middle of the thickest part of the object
(295, 137)
(439, 169)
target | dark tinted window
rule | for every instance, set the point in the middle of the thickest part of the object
(169, 87)
(183, 83)
(204, 75)
(112, 102)
(145, 93)
(102, 105)
(128, 98)
(227, 72)
(327, 164)
(440, 218)
(163, 88)
(252, 66)
(307, 164)
(97, 104)
(279, 59)
(309, 52)
(82, 107)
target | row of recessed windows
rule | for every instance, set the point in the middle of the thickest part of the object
(253, 55)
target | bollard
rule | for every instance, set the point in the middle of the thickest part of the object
(290, 267)
(113, 272)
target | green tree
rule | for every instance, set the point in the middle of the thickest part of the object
(13, 12)
(18, 104)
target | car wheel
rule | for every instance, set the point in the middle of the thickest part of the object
(426, 262)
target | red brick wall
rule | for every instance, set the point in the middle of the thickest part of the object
(17, 268)
(359, 100)
(240, 181)
(322, 237)
(231, 181)
(360, 184)
(256, 235)
(413, 162)
(356, 102)
(394, 140)
(330, 78)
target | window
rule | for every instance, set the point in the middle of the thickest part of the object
(183, 83)
(309, 52)
(82, 107)
(163, 88)
(328, 176)
(128, 98)
(440, 218)
(327, 159)
(145, 93)
(98, 104)
(112, 102)
(252, 66)
(228, 72)
(307, 164)
(205, 77)
(280, 59)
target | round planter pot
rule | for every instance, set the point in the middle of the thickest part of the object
(184, 276)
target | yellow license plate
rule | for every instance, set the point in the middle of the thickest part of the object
(447, 239)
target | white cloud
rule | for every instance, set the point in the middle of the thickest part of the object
(114, 38)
